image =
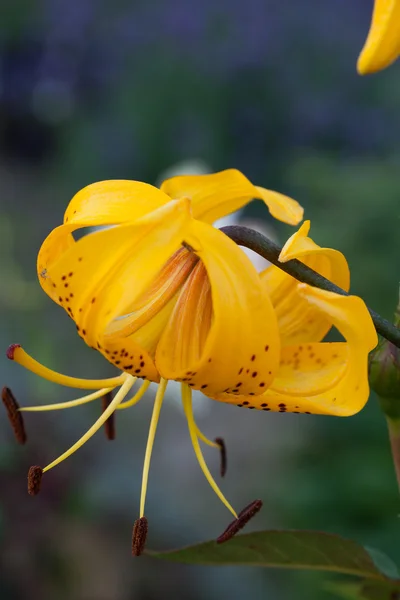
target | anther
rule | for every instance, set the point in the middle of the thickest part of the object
(11, 349)
(14, 416)
(243, 518)
(35, 475)
(139, 536)
(222, 449)
(109, 425)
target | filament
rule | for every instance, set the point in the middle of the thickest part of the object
(205, 439)
(24, 359)
(135, 399)
(70, 404)
(150, 440)
(120, 395)
(187, 406)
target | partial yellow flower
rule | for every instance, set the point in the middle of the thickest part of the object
(315, 377)
(163, 295)
(382, 46)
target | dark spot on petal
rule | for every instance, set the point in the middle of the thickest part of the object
(262, 384)
(203, 387)
(253, 357)
(63, 278)
(240, 371)
(84, 331)
(137, 370)
(246, 403)
(254, 374)
(127, 367)
(142, 363)
(266, 348)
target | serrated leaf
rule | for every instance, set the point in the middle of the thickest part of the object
(313, 550)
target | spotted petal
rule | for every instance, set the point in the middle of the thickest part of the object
(219, 194)
(102, 203)
(382, 46)
(222, 334)
(300, 321)
(323, 378)
(103, 273)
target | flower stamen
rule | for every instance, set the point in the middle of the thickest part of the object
(34, 480)
(217, 443)
(16, 353)
(139, 536)
(135, 399)
(243, 518)
(221, 444)
(187, 406)
(150, 441)
(109, 425)
(69, 404)
(14, 415)
(120, 395)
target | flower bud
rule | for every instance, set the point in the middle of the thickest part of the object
(384, 374)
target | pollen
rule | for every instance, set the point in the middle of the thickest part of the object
(35, 475)
(243, 518)
(14, 415)
(139, 535)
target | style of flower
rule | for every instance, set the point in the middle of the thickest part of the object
(382, 46)
(163, 295)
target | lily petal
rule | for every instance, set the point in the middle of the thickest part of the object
(113, 201)
(103, 273)
(343, 388)
(299, 321)
(102, 203)
(382, 46)
(223, 333)
(220, 194)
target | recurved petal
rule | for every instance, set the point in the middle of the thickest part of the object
(222, 334)
(103, 273)
(337, 373)
(113, 201)
(219, 194)
(299, 321)
(382, 46)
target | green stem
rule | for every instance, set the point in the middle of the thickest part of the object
(394, 437)
(243, 236)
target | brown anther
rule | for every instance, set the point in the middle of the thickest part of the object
(109, 425)
(139, 536)
(243, 518)
(222, 449)
(14, 415)
(35, 475)
(11, 349)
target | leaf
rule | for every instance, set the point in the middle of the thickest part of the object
(366, 590)
(313, 550)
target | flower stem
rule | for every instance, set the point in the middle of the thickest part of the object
(394, 437)
(244, 236)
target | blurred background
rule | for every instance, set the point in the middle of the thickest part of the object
(134, 89)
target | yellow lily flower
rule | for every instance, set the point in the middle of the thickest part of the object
(382, 46)
(163, 295)
(316, 377)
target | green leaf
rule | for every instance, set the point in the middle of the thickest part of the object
(285, 549)
(366, 590)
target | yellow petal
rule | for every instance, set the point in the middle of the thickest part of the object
(113, 201)
(299, 321)
(102, 203)
(223, 333)
(382, 46)
(219, 194)
(103, 273)
(341, 367)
